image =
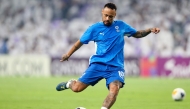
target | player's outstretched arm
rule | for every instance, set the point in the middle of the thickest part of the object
(143, 33)
(75, 47)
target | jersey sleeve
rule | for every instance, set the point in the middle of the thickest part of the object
(129, 30)
(87, 36)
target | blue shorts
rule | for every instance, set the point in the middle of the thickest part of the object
(98, 71)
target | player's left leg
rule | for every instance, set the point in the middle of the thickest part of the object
(114, 88)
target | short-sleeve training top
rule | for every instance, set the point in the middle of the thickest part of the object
(109, 41)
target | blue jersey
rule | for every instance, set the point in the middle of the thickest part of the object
(109, 41)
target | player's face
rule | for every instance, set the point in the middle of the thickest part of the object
(108, 16)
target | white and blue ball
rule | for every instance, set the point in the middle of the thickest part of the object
(178, 94)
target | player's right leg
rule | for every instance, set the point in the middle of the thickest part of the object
(74, 85)
(77, 86)
(90, 77)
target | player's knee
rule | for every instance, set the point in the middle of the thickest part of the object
(114, 87)
(114, 91)
(113, 94)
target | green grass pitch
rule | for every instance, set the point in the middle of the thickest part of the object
(138, 93)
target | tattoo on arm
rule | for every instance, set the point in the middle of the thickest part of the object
(142, 33)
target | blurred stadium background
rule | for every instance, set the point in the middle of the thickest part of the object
(35, 33)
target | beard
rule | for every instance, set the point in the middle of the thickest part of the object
(107, 23)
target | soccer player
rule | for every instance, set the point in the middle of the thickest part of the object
(108, 62)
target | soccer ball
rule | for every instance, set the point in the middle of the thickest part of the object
(178, 94)
(80, 108)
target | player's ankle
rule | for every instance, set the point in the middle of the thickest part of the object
(104, 108)
(69, 82)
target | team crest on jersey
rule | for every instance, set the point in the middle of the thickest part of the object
(117, 28)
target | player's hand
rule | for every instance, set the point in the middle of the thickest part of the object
(65, 57)
(155, 30)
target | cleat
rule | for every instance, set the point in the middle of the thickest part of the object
(61, 86)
